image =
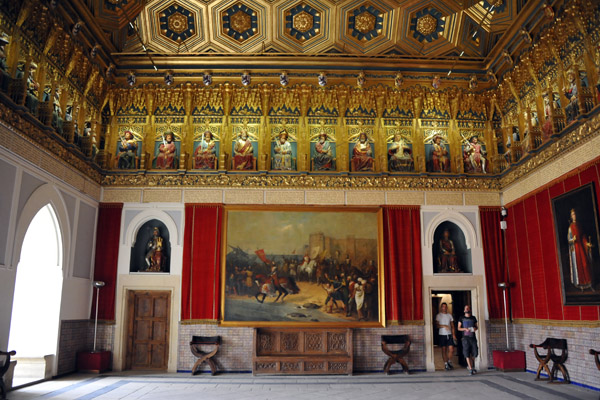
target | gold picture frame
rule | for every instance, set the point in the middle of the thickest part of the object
(306, 266)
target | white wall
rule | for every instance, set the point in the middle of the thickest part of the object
(133, 217)
(26, 190)
(467, 219)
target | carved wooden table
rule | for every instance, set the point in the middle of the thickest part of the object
(302, 351)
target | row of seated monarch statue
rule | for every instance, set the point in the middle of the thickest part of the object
(283, 154)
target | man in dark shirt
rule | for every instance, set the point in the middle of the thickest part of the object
(467, 324)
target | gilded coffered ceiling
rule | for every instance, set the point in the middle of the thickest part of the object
(421, 33)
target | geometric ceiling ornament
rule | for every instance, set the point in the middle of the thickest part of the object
(365, 22)
(241, 26)
(429, 28)
(368, 25)
(302, 22)
(177, 23)
(304, 25)
(175, 26)
(239, 22)
(427, 25)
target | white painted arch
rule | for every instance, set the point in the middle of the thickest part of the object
(459, 219)
(42, 196)
(145, 216)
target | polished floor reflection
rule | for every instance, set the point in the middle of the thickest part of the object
(445, 385)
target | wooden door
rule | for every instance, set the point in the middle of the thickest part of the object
(148, 329)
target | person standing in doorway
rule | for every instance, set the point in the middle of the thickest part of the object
(447, 335)
(467, 324)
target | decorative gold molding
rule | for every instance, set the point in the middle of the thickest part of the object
(418, 322)
(199, 322)
(551, 322)
(31, 133)
(305, 181)
(576, 138)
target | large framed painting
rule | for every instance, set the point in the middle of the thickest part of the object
(577, 239)
(302, 266)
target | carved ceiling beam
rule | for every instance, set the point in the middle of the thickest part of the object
(515, 26)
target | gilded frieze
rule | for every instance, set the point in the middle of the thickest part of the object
(546, 84)
(306, 181)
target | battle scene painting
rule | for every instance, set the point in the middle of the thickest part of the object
(302, 266)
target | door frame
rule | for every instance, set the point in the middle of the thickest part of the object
(145, 282)
(129, 323)
(476, 286)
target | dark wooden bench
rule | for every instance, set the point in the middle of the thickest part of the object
(205, 356)
(302, 351)
(551, 345)
(3, 369)
(395, 355)
(596, 358)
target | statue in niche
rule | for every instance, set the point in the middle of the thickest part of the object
(57, 120)
(31, 101)
(243, 152)
(323, 160)
(155, 258)
(400, 155)
(547, 126)
(4, 75)
(127, 152)
(439, 156)
(166, 152)
(447, 259)
(362, 154)
(571, 93)
(474, 156)
(205, 155)
(282, 153)
(151, 249)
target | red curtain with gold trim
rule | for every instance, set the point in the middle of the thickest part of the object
(493, 256)
(108, 232)
(200, 289)
(403, 263)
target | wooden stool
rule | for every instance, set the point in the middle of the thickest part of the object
(396, 356)
(3, 369)
(558, 360)
(196, 345)
(596, 354)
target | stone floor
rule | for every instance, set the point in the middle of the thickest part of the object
(425, 385)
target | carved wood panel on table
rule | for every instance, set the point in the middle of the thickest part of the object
(302, 351)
